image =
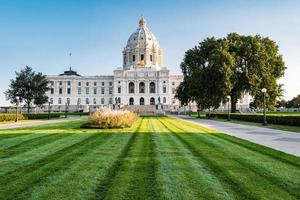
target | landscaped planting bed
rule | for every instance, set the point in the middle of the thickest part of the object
(157, 158)
(272, 119)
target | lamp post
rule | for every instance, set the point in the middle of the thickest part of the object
(17, 105)
(264, 90)
(298, 107)
(228, 98)
(49, 102)
(66, 109)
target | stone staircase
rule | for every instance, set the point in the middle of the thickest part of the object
(141, 109)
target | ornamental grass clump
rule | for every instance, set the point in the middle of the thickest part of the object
(107, 118)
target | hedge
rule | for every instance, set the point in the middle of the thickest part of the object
(41, 115)
(12, 116)
(271, 119)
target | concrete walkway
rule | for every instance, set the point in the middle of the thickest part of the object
(286, 141)
(37, 122)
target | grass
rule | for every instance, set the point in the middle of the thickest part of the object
(158, 158)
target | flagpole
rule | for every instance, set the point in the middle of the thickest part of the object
(70, 55)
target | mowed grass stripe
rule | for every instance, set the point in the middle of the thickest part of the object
(229, 182)
(268, 181)
(137, 174)
(80, 179)
(259, 149)
(70, 177)
(29, 144)
(252, 160)
(180, 171)
(31, 175)
(27, 168)
(106, 182)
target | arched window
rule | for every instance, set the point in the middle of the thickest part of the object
(142, 101)
(152, 87)
(152, 101)
(142, 87)
(131, 87)
(131, 101)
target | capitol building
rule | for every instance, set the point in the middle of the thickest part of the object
(139, 85)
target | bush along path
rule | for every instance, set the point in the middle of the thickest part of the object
(157, 158)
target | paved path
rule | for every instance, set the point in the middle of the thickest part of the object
(285, 141)
(37, 122)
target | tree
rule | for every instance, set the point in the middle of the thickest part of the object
(30, 86)
(257, 65)
(294, 102)
(206, 70)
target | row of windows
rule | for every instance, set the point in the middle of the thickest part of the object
(87, 101)
(117, 100)
(79, 83)
(131, 87)
(142, 57)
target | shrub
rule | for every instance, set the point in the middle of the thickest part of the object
(271, 119)
(10, 117)
(40, 115)
(106, 118)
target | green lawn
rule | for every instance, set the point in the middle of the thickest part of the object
(158, 158)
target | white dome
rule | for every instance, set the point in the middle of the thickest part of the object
(142, 49)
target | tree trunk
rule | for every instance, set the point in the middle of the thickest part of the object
(233, 100)
(28, 107)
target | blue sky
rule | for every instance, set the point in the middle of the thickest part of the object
(41, 33)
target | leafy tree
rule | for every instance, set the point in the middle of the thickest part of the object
(30, 86)
(295, 102)
(257, 65)
(206, 70)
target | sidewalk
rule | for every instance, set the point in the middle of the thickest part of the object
(288, 142)
(37, 122)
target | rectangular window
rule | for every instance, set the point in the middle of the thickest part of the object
(87, 101)
(95, 83)
(79, 90)
(142, 56)
(102, 100)
(60, 90)
(79, 83)
(94, 101)
(151, 58)
(119, 90)
(110, 83)
(69, 90)
(173, 83)
(52, 90)
(110, 100)
(102, 83)
(87, 83)
(133, 58)
(51, 100)
(60, 83)
(95, 90)
(87, 90)
(110, 90)
(164, 100)
(69, 83)
(51, 83)
(102, 90)
(164, 89)
(59, 100)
